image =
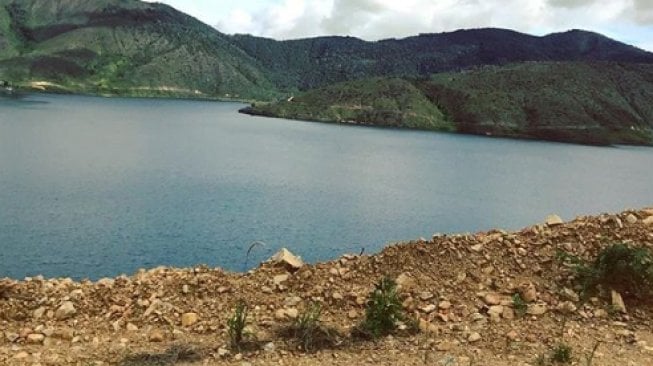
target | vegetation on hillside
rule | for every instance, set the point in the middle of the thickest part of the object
(597, 103)
(123, 47)
(379, 102)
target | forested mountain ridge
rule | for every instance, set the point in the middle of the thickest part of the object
(314, 62)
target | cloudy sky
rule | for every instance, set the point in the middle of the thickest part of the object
(630, 21)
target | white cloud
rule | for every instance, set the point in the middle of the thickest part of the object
(378, 19)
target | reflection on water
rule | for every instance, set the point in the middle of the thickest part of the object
(93, 187)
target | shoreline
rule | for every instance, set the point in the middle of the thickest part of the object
(447, 282)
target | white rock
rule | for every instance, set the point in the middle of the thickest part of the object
(65, 311)
(618, 302)
(279, 279)
(631, 219)
(428, 309)
(553, 220)
(474, 337)
(536, 309)
(286, 258)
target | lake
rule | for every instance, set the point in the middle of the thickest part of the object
(94, 187)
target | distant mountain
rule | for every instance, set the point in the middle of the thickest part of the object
(314, 62)
(123, 47)
(594, 103)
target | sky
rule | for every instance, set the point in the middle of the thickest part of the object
(629, 21)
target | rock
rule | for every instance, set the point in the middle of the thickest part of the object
(474, 337)
(444, 346)
(528, 292)
(280, 314)
(569, 294)
(279, 279)
(618, 302)
(337, 296)
(292, 301)
(492, 298)
(648, 220)
(427, 327)
(132, 328)
(292, 313)
(21, 355)
(223, 352)
(156, 336)
(600, 313)
(426, 296)
(35, 338)
(12, 337)
(352, 314)
(513, 335)
(189, 319)
(444, 305)
(631, 219)
(269, 347)
(65, 311)
(567, 307)
(428, 309)
(553, 220)
(405, 281)
(508, 313)
(537, 309)
(106, 282)
(64, 333)
(185, 289)
(38, 313)
(495, 311)
(476, 248)
(287, 259)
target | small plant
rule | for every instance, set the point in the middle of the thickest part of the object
(236, 325)
(383, 311)
(626, 270)
(181, 353)
(562, 353)
(540, 360)
(519, 304)
(309, 331)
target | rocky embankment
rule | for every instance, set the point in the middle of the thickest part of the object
(460, 287)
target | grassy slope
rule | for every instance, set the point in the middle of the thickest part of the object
(381, 102)
(600, 103)
(127, 47)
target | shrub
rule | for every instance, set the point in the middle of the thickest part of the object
(236, 325)
(562, 353)
(626, 270)
(519, 304)
(180, 353)
(383, 311)
(309, 332)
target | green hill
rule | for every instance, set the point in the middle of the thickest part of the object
(379, 102)
(597, 103)
(124, 47)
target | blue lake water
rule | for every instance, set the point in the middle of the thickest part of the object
(93, 187)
